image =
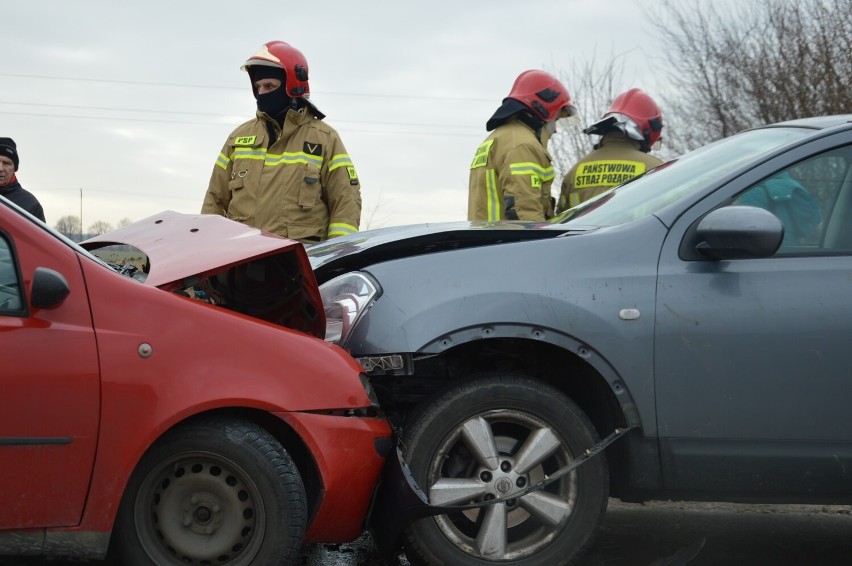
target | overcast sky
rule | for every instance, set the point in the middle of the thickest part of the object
(122, 107)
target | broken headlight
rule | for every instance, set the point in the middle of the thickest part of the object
(345, 299)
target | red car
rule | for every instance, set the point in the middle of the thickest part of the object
(183, 410)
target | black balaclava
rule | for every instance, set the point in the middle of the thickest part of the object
(275, 103)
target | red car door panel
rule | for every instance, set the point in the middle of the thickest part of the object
(49, 378)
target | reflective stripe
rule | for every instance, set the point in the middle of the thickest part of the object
(493, 204)
(341, 160)
(272, 159)
(543, 173)
(340, 229)
(292, 158)
(248, 153)
(573, 199)
(223, 161)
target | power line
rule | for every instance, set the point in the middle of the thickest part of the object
(114, 81)
(109, 108)
(109, 118)
(147, 120)
(210, 114)
(113, 192)
(187, 85)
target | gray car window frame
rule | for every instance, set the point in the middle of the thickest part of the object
(811, 195)
(707, 167)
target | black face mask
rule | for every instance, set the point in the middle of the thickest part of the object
(274, 103)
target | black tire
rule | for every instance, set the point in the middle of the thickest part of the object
(515, 413)
(219, 492)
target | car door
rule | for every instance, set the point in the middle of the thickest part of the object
(49, 407)
(753, 357)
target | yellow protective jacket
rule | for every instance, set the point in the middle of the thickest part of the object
(617, 160)
(302, 187)
(511, 162)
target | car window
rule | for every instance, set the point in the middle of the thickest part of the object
(813, 199)
(11, 301)
(667, 183)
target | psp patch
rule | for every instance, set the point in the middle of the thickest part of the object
(312, 148)
(353, 176)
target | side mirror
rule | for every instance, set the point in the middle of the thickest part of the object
(739, 232)
(49, 288)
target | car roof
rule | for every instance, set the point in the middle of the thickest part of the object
(815, 122)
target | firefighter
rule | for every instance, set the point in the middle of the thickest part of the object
(285, 171)
(511, 172)
(628, 130)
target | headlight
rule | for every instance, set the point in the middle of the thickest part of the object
(368, 388)
(345, 299)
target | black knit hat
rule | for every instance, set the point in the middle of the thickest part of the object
(10, 150)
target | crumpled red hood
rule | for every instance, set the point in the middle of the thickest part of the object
(182, 246)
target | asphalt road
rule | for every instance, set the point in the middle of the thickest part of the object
(666, 534)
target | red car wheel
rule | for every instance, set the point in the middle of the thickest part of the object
(213, 492)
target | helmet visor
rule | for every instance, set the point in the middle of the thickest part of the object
(567, 111)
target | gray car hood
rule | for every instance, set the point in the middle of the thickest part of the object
(356, 251)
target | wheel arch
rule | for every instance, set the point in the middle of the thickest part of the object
(570, 365)
(283, 433)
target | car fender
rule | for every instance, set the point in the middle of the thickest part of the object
(558, 290)
(239, 362)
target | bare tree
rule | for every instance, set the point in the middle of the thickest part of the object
(100, 227)
(68, 226)
(124, 222)
(733, 66)
(593, 86)
(369, 219)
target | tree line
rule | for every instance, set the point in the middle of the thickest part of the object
(727, 66)
(71, 227)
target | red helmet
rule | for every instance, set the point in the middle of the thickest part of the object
(642, 109)
(283, 56)
(542, 93)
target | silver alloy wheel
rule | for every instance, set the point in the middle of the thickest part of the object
(494, 454)
(200, 508)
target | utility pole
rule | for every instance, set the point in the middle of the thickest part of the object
(81, 214)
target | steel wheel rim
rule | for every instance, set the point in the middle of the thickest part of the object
(509, 530)
(200, 508)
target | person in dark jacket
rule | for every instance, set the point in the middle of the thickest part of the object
(9, 185)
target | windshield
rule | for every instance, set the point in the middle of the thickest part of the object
(671, 181)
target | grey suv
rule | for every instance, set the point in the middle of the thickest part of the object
(704, 308)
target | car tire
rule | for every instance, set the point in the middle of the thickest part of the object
(212, 492)
(516, 414)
